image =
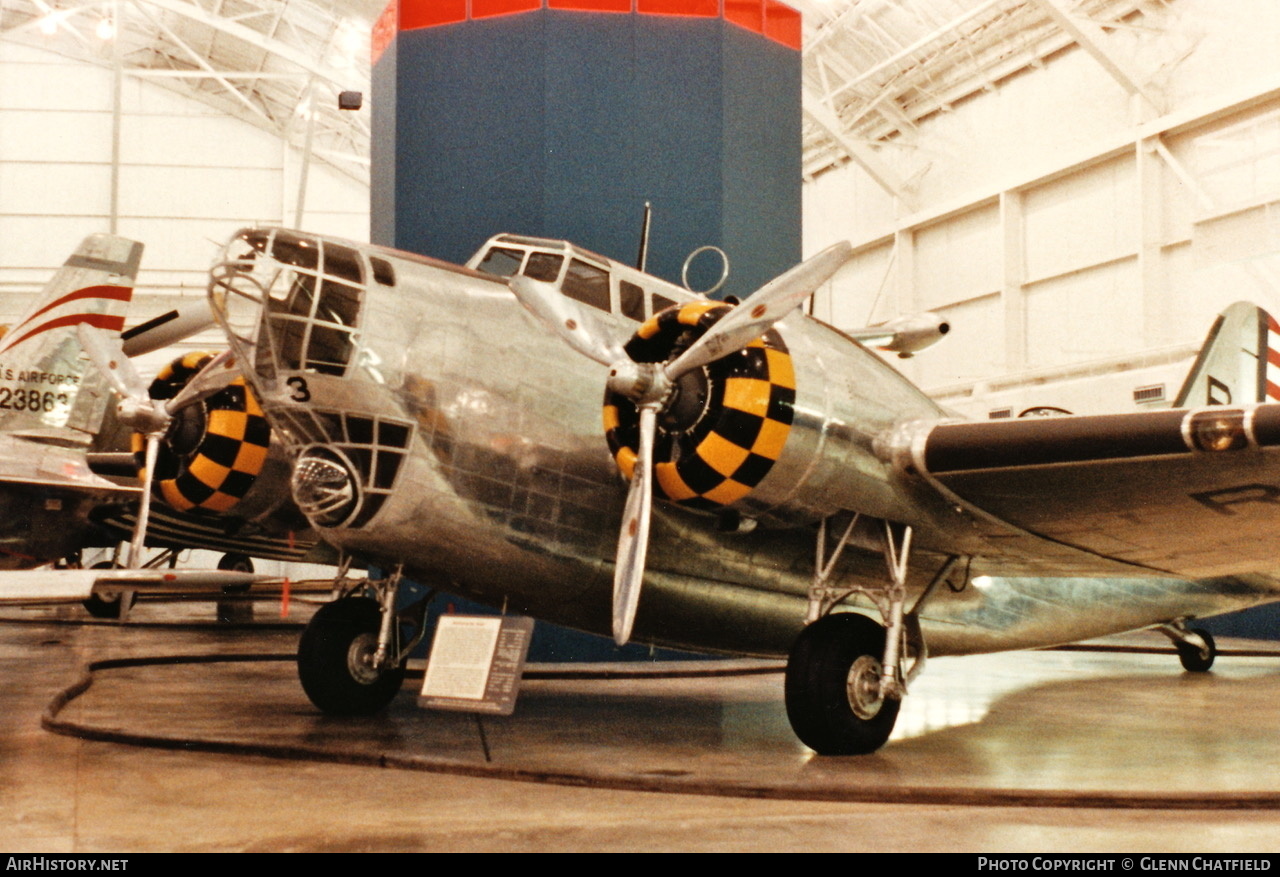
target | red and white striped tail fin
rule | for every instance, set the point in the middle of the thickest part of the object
(1271, 348)
(41, 367)
(1239, 362)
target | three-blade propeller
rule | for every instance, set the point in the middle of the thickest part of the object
(649, 385)
(151, 417)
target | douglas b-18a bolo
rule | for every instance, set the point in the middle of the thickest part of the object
(759, 483)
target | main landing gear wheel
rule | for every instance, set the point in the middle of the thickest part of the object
(106, 607)
(1193, 658)
(335, 659)
(833, 686)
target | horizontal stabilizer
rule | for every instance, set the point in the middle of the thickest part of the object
(42, 586)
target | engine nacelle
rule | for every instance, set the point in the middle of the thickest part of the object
(213, 451)
(784, 430)
(905, 335)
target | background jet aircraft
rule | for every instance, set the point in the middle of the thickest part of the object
(444, 425)
(55, 420)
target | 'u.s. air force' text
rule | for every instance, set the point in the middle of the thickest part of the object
(64, 863)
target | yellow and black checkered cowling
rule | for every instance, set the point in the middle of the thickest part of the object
(214, 469)
(738, 432)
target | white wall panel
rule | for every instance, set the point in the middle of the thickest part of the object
(231, 193)
(1080, 220)
(861, 293)
(60, 85)
(958, 258)
(55, 189)
(972, 349)
(195, 140)
(64, 136)
(1083, 316)
(41, 243)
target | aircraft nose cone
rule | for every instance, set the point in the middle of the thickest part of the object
(324, 487)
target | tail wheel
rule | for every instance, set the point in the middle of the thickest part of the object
(1193, 658)
(335, 659)
(833, 686)
(213, 451)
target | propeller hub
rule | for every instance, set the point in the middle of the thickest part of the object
(186, 430)
(641, 382)
(142, 414)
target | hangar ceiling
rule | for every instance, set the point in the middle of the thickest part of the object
(278, 64)
(872, 68)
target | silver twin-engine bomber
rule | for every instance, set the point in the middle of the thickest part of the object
(551, 431)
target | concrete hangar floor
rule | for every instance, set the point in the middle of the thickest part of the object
(207, 743)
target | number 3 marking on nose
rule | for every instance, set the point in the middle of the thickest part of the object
(300, 391)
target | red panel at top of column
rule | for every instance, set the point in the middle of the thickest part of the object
(494, 8)
(591, 5)
(689, 8)
(769, 18)
(782, 24)
(430, 13)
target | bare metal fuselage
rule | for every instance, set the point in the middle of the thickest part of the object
(483, 469)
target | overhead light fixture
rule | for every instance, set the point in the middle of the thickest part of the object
(49, 24)
(106, 30)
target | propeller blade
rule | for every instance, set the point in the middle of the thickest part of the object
(144, 507)
(577, 325)
(105, 352)
(766, 306)
(633, 541)
(216, 375)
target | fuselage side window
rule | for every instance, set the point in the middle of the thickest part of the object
(501, 262)
(631, 300)
(382, 271)
(544, 266)
(587, 284)
(661, 303)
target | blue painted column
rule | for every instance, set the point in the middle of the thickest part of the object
(560, 118)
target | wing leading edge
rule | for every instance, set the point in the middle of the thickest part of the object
(1194, 493)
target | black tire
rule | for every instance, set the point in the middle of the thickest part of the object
(817, 686)
(101, 607)
(237, 563)
(331, 660)
(1193, 661)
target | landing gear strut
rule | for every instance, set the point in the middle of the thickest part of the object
(351, 658)
(846, 675)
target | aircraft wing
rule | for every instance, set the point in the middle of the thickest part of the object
(75, 585)
(1194, 493)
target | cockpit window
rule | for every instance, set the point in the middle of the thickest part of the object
(313, 316)
(344, 262)
(294, 250)
(632, 300)
(587, 284)
(544, 266)
(501, 262)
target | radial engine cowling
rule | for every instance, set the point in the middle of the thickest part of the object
(724, 425)
(214, 450)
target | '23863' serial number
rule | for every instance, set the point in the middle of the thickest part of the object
(30, 400)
